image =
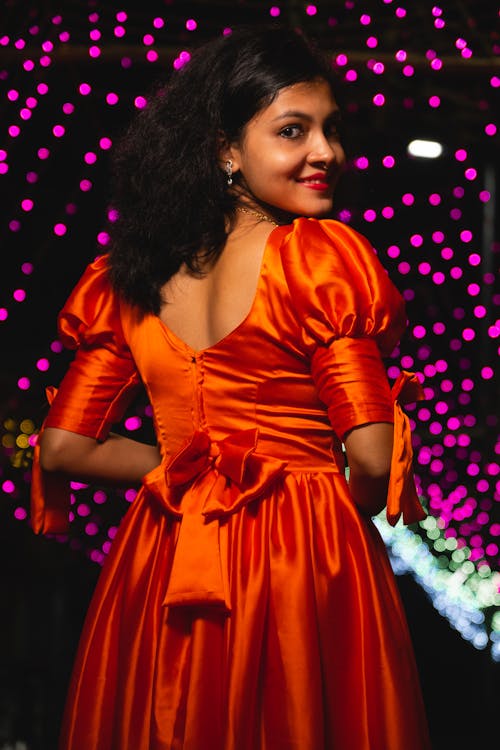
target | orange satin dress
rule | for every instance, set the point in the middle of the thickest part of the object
(246, 604)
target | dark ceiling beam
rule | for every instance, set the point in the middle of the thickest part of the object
(79, 53)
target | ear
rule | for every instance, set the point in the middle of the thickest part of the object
(229, 152)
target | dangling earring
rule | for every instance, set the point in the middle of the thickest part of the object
(229, 171)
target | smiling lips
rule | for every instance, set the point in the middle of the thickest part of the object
(316, 181)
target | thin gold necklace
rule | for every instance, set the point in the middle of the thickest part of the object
(259, 215)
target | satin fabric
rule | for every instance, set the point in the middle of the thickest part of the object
(246, 603)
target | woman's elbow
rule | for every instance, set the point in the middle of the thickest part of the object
(56, 447)
(50, 454)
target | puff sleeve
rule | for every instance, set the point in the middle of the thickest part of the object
(352, 315)
(95, 391)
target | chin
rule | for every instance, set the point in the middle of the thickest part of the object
(318, 212)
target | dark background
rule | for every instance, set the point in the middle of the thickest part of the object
(46, 584)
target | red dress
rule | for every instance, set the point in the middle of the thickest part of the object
(246, 604)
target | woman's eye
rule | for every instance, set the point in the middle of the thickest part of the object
(291, 131)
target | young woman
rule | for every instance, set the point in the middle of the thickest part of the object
(247, 602)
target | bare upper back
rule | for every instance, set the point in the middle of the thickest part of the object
(202, 311)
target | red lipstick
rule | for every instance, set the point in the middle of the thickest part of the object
(316, 181)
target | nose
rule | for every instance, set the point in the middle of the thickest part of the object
(325, 151)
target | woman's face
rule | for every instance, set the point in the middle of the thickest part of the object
(290, 155)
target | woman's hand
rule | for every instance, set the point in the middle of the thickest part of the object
(369, 452)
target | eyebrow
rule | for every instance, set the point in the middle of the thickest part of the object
(334, 115)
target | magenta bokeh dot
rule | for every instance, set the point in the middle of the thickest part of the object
(419, 331)
(103, 238)
(404, 267)
(133, 423)
(130, 495)
(43, 364)
(362, 162)
(60, 229)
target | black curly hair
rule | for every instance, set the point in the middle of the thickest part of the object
(169, 189)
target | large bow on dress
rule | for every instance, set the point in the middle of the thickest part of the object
(203, 484)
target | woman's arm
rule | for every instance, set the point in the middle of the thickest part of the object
(369, 451)
(116, 460)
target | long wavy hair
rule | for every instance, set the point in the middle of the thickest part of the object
(174, 205)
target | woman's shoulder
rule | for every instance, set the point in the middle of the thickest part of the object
(326, 249)
(324, 236)
(336, 282)
(92, 311)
